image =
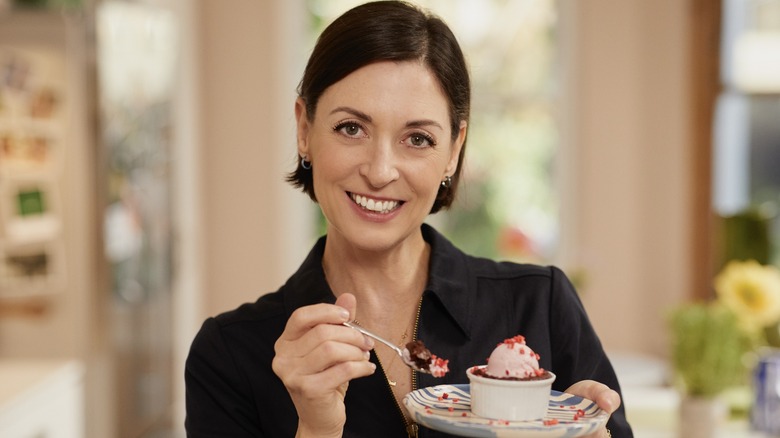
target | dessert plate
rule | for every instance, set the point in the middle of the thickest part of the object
(447, 408)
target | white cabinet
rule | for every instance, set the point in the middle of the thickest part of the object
(41, 399)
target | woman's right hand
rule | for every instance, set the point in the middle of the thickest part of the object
(316, 357)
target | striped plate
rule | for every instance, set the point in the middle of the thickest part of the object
(448, 408)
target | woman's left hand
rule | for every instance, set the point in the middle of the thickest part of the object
(607, 399)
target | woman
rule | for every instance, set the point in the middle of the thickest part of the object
(382, 116)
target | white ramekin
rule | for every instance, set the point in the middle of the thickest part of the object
(511, 400)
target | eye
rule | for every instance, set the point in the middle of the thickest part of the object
(420, 140)
(349, 129)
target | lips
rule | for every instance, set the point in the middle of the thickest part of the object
(375, 205)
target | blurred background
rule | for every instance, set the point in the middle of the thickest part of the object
(143, 147)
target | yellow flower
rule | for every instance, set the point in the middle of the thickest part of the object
(751, 291)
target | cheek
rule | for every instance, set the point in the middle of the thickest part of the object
(424, 182)
(329, 168)
(429, 173)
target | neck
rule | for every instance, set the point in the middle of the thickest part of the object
(387, 284)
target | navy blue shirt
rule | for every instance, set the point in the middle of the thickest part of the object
(469, 305)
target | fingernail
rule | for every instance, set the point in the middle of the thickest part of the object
(366, 355)
(369, 342)
(345, 314)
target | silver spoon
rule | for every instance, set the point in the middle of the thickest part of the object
(404, 353)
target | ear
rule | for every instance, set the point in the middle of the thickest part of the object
(302, 123)
(457, 145)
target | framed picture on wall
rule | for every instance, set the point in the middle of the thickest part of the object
(31, 269)
(30, 212)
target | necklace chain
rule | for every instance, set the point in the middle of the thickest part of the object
(390, 380)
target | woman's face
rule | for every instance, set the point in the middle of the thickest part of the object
(380, 144)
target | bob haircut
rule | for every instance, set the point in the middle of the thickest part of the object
(387, 31)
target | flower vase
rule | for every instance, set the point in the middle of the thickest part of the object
(701, 417)
(766, 400)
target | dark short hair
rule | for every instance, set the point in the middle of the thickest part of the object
(387, 31)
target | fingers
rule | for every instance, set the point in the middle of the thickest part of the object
(319, 325)
(315, 343)
(316, 358)
(607, 399)
(348, 302)
(323, 335)
(305, 318)
(314, 385)
(327, 345)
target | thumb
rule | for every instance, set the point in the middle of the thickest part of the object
(349, 302)
(607, 399)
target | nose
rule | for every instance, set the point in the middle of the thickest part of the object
(380, 167)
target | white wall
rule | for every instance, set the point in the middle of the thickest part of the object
(241, 230)
(257, 228)
(628, 211)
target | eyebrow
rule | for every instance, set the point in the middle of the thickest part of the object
(363, 116)
(359, 114)
(422, 123)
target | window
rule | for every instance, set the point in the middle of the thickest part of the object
(746, 185)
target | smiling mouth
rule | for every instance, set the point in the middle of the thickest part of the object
(375, 205)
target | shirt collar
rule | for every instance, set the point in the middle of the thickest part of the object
(308, 285)
(449, 279)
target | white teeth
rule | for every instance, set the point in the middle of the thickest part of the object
(375, 205)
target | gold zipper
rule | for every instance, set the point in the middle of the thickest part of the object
(414, 338)
(412, 430)
(407, 424)
(411, 427)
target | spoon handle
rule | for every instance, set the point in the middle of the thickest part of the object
(374, 336)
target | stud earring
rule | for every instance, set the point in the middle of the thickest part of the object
(447, 182)
(306, 164)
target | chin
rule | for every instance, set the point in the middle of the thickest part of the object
(376, 239)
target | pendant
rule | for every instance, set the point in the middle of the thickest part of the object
(392, 382)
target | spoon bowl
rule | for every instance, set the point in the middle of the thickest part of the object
(403, 352)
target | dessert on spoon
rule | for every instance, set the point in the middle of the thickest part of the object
(414, 354)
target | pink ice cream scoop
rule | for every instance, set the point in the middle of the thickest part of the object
(513, 359)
